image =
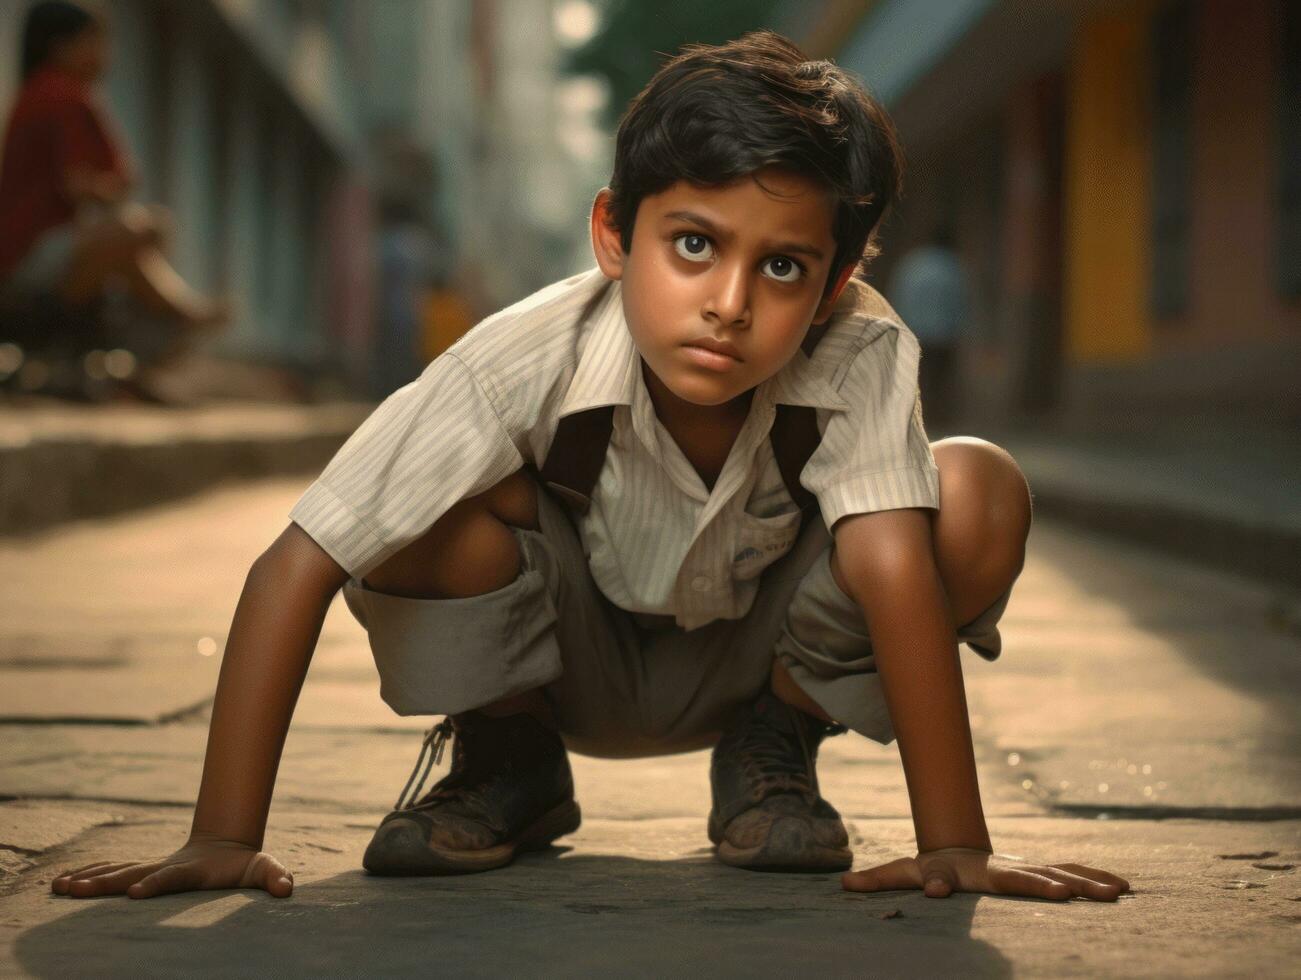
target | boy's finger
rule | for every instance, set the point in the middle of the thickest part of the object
(1097, 890)
(1106, 877)
(63, 885)
(107, 884)
(65, 878)
(106, 869)
(272, 876)
(939, 878)
(894, 876)
(1018, 881)
(114, 881)
(73, 872)
(938, 884)
(173, 878)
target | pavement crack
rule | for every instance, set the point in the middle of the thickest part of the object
(188, 713)
(53, 720)
(118, 800)
(41, 760)
(14, 848)
(1246, 814)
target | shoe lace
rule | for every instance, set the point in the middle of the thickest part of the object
(766, 755)
(431, 754)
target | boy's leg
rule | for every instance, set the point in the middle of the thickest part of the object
(980, 530)
(823, 666)
(979, 535)
(470, 551)
(510, 786)
(824, 653)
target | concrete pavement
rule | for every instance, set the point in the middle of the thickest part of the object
(1143, 719)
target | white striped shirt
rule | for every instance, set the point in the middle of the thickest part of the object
(659, 541)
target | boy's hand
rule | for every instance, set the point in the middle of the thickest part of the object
(200, 864)
(942, 872)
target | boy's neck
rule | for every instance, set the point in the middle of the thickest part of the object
(704, 433)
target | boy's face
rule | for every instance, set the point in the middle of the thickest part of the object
(741, 266)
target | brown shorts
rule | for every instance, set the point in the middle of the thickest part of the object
(624, 684)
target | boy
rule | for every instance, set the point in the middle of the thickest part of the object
(650, 509)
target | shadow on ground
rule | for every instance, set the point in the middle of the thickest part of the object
(548, 914)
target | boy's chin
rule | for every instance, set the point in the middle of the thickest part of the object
(699, 392)
(711, 400)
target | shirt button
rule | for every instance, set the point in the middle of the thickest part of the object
(701, 584)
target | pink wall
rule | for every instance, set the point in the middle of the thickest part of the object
(1233, 293)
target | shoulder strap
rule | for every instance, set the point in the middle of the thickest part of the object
(794, 438)
(578, 449)
(576, 455)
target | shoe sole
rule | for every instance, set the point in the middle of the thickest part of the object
(789, 847)
(405, 852)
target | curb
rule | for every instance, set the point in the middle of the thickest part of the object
(1224, 540)
(63, 464)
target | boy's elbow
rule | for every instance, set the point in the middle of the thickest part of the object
(295, 557)
(884, 553)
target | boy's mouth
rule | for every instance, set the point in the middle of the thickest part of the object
(720, 347)
(710, 360)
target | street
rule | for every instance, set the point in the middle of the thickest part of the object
(1143, 719)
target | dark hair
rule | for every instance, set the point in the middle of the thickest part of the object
(48, 23)
(714, 114)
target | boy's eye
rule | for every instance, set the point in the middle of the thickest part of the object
(694, 248)
(782, 269)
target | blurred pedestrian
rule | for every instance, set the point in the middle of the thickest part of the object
(406, 255)
(69, 238)
(929, 292)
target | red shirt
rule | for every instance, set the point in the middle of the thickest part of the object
(56, 126)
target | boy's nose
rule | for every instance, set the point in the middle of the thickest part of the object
(729, 302)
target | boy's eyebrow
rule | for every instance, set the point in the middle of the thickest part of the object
(800, 248)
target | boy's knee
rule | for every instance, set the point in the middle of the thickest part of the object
(514, 500)
(469, 551)
(985, 506)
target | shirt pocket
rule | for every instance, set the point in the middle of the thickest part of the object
(760, 541)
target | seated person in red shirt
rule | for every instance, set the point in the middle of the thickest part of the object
(67, 232)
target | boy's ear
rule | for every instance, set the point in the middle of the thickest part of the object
(607, 242)
(829, 301)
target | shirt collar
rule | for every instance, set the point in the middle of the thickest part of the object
(805, 380)
(608, 365)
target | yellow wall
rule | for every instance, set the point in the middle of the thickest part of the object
(445, 317)
(1106, 190)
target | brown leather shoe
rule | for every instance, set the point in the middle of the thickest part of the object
(510, 789)
(768, 814)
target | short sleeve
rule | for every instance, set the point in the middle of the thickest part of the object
(427, 446)
(875, 454)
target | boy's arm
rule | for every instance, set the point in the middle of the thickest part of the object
(277, 623)
(274, 632)
(887, 560)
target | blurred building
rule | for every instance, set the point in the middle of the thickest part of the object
(477, 89)
(329, 160)
(1124, 182)
(240, 116)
